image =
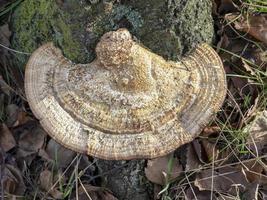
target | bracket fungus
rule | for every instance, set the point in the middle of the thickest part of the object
(129, 102)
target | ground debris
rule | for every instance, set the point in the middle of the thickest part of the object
(257, 131)
(12, 180)
(192, 160)
(255, 25)
(47, 184)
(87, 191)
(59, 154)
(227, 180)
(162, 170)
(7, 140)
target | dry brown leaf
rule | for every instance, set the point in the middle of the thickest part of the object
(241, 85)
(257, 131)
(23, 156)
(224, 180)
(193, 193)
(210, 130)
(22, 118)
(192, 161)
(157, 169)
(60, 154)
(211, 150)
(87, 191)
(12, 111)
(252, 192)
(248, 68)
(12, 180)
(32, 139)
(43, 154)
(7, 140)
(253, 170)
(255, 25)
(199, 151)
(223, 43)
(46, 183)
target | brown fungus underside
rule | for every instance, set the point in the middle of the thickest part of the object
(129, 102)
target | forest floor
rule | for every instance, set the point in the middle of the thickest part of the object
(227, 161)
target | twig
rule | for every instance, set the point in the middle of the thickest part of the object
(13, 50)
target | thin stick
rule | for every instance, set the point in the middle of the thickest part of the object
(13, 50)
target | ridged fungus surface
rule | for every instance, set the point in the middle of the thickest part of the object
(129, 102)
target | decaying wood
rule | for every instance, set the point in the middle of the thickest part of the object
(129, 102)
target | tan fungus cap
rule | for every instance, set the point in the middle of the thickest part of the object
(129, 102)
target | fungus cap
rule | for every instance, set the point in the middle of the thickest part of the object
(129, 102)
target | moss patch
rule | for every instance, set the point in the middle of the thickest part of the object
(38, 21)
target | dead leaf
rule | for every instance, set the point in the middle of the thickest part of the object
(255, 25)
(257, 131)
(254, 171)
(199, 151)
(12, 180)
(32, 139)
(241, 85)
(210, 130)
(224, 180)
(248, 68)
(43, 154)
(7, 140)
(157, 169)
(22, 118)
(60, 154)
(12, 111)
(252, 191)
(46, 183)
(211, 150)
(87, 191)
(192, 161)
(223, 43)
(193, 193)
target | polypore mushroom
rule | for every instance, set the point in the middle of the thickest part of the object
(129, 102)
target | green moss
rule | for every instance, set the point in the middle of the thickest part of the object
(38, 21)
